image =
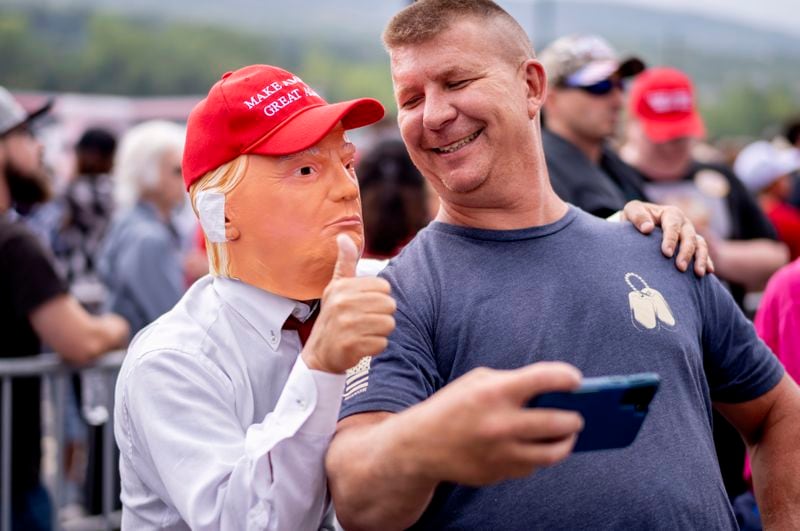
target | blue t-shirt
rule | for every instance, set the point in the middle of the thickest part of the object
(600, 296)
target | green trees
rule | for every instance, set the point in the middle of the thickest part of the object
(81, 51)
(78, 50)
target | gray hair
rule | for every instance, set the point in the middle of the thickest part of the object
(139, 155)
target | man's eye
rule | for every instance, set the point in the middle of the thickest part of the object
(411, 103)
(459, 84)
(306, 170)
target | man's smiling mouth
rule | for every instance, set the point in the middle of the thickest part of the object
(458, 144)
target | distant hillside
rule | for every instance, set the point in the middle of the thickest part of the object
(661, 36)
(546, 19)
(731, 62)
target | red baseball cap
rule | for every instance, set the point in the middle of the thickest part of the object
(662, 99)
(263, 110)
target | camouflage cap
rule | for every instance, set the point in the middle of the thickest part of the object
(582, 60)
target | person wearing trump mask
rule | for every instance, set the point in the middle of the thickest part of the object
(220, 423)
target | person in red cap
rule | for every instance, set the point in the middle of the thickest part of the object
(664, 126)
(220, 423)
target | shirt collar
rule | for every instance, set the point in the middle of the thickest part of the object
(264, 311)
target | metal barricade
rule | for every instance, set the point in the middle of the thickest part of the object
(54, 374)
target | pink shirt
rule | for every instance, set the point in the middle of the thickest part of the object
(778, 317)
(778, 321)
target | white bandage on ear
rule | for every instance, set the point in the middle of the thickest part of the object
(211, 210)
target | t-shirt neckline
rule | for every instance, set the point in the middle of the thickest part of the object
(507, 235)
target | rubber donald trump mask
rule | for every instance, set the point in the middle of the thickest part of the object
(270, 172)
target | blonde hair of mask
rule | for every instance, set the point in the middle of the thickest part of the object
(222, 180)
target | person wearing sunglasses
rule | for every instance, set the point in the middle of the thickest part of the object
(585, 96)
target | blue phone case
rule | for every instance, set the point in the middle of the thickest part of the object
(613, 408)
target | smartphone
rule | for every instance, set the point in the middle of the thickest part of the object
(613, 408)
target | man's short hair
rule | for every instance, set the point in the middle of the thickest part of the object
(97, 140)
(425, 19)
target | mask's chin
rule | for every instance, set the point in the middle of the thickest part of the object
(298, 276)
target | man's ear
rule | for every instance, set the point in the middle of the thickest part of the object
(536, 82)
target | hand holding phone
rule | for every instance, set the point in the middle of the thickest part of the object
(613, 408)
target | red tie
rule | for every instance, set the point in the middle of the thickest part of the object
(303, 328)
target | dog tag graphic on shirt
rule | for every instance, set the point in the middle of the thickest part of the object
(648, 306)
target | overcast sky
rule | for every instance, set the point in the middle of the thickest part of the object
(781, 15)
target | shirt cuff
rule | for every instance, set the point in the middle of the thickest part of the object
(616, 217)
(330, 387)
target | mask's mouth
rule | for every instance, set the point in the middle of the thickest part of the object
(458, 144)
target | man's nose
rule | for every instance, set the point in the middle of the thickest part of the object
(437, 112)
(617, 96)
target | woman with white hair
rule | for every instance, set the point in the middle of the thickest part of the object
(141, 260)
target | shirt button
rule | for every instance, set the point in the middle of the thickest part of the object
(272, 337)
(301, 403)
(296, 312)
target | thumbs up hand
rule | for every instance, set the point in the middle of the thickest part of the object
(356, 316)
(346, 259)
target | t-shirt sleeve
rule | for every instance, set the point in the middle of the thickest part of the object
(29, 272)
(406, 372)
(738, 365)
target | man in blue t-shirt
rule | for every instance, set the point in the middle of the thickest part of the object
(511, 278)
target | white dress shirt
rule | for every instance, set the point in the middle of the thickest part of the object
(219, 422)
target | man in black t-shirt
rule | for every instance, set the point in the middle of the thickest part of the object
(582, 110)
(35, 309)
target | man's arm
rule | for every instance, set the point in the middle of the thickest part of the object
(748, 262)
(770, 426)
(73, 333)
(383, 468)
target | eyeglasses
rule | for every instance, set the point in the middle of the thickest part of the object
(601, 88)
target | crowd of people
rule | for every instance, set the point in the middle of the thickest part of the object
(321, 338)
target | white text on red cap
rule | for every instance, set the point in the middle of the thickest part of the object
(273, 88)
(667, 101)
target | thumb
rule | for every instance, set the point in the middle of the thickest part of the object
(541, 377)
(346, 260)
